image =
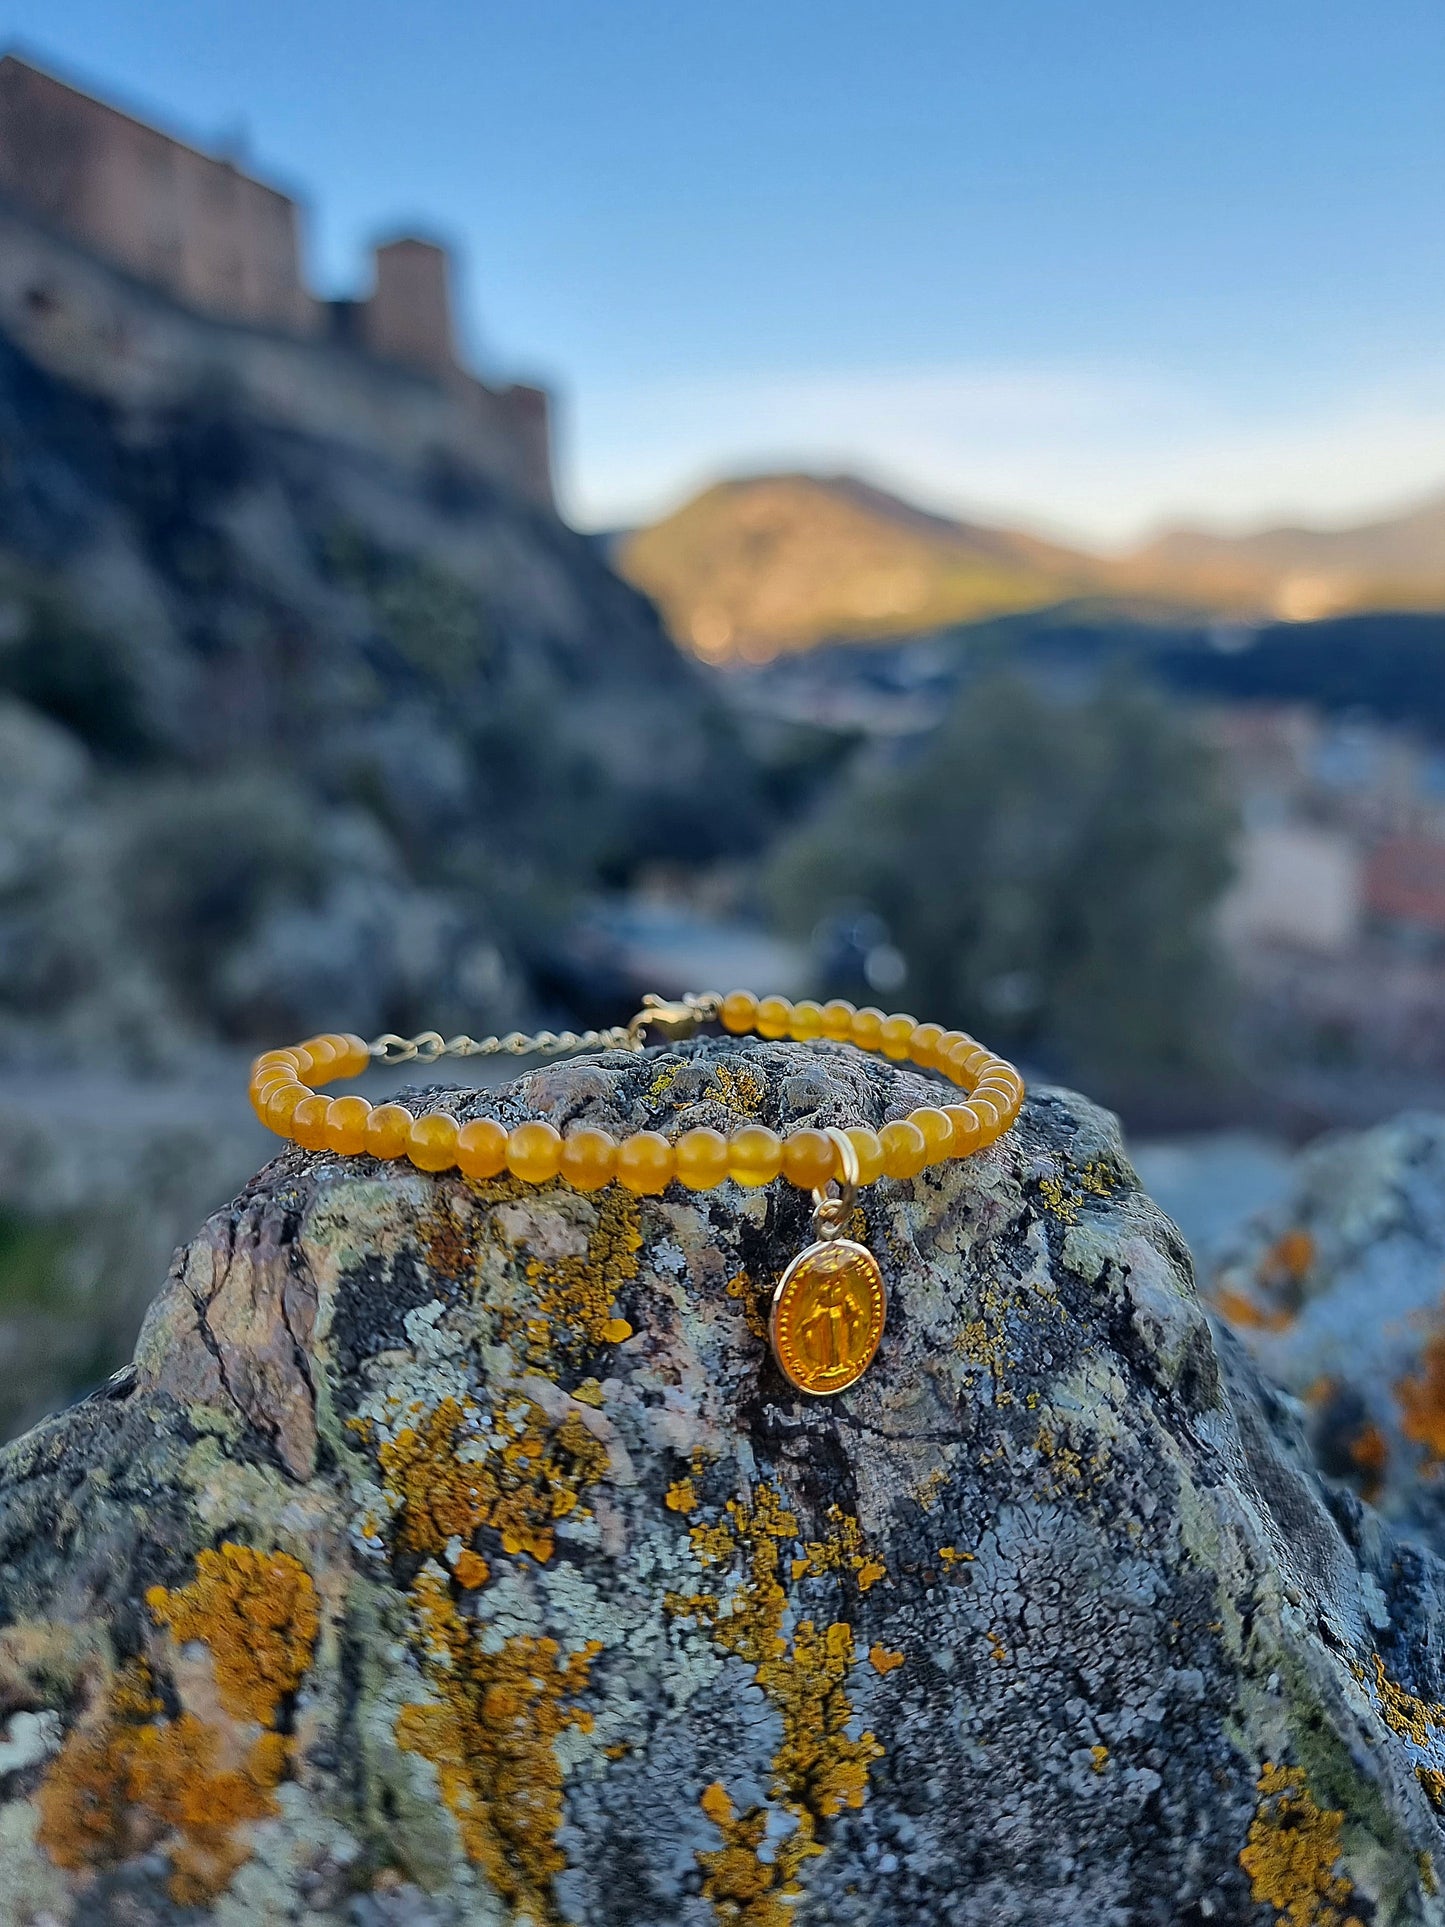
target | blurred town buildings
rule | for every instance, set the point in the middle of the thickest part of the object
(85, 186)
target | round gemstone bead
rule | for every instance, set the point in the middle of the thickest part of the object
(807, 1021)
(739, 1012)
(308, 1124)
(702, 1158)
(323, 1054)
(937, 1129)
(281, 1106)
(589, 1158)
(838, 1020)
(774, 1016)
(905, 1151)
(923, 1044)
(966, 1134)
(534, 1152)
(755, 1155)
(645, 1163)
(895, 1036)
(810, 1159)
(346, 1119)
(869, 1150)
(387, 1131)
(989, 1115)
(482, 1148)
(868, 1028)
(356, 1057)
(432, 1142)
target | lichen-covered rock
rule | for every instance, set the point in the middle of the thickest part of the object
(1339, 1294)
(453, 1553)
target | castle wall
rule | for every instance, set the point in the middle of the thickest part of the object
(117, 336)
(195, 226)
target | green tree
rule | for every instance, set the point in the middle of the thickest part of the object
(1049, 869)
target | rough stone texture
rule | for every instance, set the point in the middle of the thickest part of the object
(1337, 1292)
(453, 1554)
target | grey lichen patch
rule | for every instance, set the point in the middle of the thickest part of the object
(1047, 1618)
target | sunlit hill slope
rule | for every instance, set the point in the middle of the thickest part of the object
(760, 566)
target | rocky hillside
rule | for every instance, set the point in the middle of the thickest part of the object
(754, 568)
(295, 734)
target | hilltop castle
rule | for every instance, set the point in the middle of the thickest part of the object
(139, 264)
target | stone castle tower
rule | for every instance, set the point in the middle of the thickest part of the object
(224, 246)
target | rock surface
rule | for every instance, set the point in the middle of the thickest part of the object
(1338, 1291)
(453, 1553)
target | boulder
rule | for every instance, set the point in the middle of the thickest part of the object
(454, 1553)
(1338, 1292)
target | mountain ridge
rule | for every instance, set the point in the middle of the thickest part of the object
(756, 566)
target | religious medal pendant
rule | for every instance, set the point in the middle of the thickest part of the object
(828, 1310)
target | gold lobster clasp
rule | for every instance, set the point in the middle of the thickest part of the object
(670, 1019)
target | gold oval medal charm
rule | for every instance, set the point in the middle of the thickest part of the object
(827, 1316)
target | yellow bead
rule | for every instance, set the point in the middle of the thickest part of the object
(308, 1124)
(387, 1131)
(274, 1060)
(937, 1129)
(534, 1152)
(482, 1148)
(432, 1142)
(355, 1059)
(346, 1119)
(755, 1155)
(702, 1158)
(869, 1151)
(775, 1014)
(990, 1118)
(868, 1028)
(896, 1036)
(589, 1158)
(281, 1106)
(923, 1045)
(944, 1048)
(966, 1134)
(644, 1163)
(838, 1020)
(810, 1158)
(807, 1021)
(739, 1012)
(904, 1151)
(323, 1054)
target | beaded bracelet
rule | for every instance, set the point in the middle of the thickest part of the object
(829, 1307)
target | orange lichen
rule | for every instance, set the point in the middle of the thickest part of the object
(1286, 1263)
(471, 1569)
(741, 1287)
(256, 1611)
(533, 1477)
(577, 1294)
(1413, 1719)
(842, 1550)
(882, 1659)
(952, 1556)
(126, 1785)
(817, 1770)
(681, 1496)
(1433, 1781)
(1292, 1852)
(1369, 1450)
(1422, 1401)
(745, 1889)
(1243, 1312)
(127, 1782)
(1098, 1757)
(491, 1736)
(997, 1651)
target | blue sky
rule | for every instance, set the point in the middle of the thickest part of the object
(1093, 266)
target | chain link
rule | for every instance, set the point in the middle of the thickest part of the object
(429, 1045)
(671, 1019)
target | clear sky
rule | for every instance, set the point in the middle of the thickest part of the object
(1091, 263)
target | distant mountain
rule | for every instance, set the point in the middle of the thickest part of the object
(1303, 573)
(764, 565)
(756, 567)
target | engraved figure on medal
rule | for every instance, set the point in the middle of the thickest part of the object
(827, 1316)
